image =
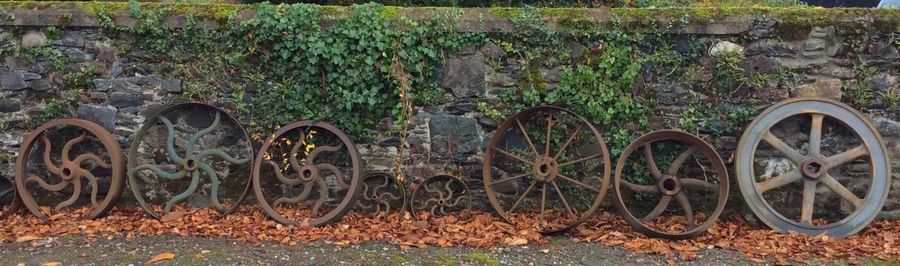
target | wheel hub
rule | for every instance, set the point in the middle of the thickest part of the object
(308, 173)
(669, 185)
(545, 169)
(190, 164)
(813, 168)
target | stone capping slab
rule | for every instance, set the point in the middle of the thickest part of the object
(700, 20)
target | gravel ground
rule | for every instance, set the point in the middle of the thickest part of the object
(69, 250)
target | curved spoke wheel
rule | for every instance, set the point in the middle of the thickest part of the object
(382, 194)
(548, 161)
(193, 154)
(9, 200)
(814, 166)
(666, 170)
(441, 195)
(307, 173)
(69, 163)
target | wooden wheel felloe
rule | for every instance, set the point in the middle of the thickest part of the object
(65, 160)
(441, 195)
(9, 200)
(548, 161)
(191, 152)
(307, 173)
(696, 179)
(382, 193)
(798, 172)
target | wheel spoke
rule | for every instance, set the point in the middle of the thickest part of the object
(640, 188)
(511, 155)
(676, 164)
(527, 138)
(809, 196)
(697, 183)
(847, 156)
(815, 134)
(581, 160)
(832, 183)
(549, 127)
(543, 202)
(568, 141)
(660, 207)
(688, 210)
(651, 163)
(563, 198)
(578, 183)
(516, 204)
(785, 149)
(778, 181)
(509, 179)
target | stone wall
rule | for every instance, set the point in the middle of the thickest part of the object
(451, 137)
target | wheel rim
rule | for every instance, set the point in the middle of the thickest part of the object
(9, 199)
(814, 167)
(309, 150)
(544, 166)
(673, 184)
(382, 193)
(190, 150)
(81, 140)
(441, 195)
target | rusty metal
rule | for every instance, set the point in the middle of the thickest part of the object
(9, 200)
(298, 156)
(576, 164)
(812, 166)
(186, 158)
(441, 195)
(381, 194)
(675, 183)
(66, 171)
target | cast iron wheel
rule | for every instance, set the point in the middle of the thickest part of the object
(298, 158)
(684, 178)
(441, 195)
(547, 154)
(58, 158)
(841, 166)
(190, 153)
(9, 200)
(382, 193)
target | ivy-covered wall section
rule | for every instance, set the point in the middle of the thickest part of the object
(707, 71)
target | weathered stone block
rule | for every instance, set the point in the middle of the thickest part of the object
(13, 81)
(828, 88)
(465, 76)
(453, 134)
(100, 114)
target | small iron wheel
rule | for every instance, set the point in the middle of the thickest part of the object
(190, 153)
(307, 173)
(65, 160)
(382, 193)
(796, 156)
(9, 200)
(441, 195)
(548, 161)
(696, 179)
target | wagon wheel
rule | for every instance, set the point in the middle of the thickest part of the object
(382, 193)
(64, 161)
(441, 195)
(549, 161)
(795, 145)
(307, 173)
(9, 200)
(190, 153)
(694, 177)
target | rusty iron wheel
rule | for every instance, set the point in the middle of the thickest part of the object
(299, 157)
(814, 162)
(382, 193)
(547, 155)
(684, 178)
(9, 200)
(441, 195)
(67, 165)
(190, 150)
